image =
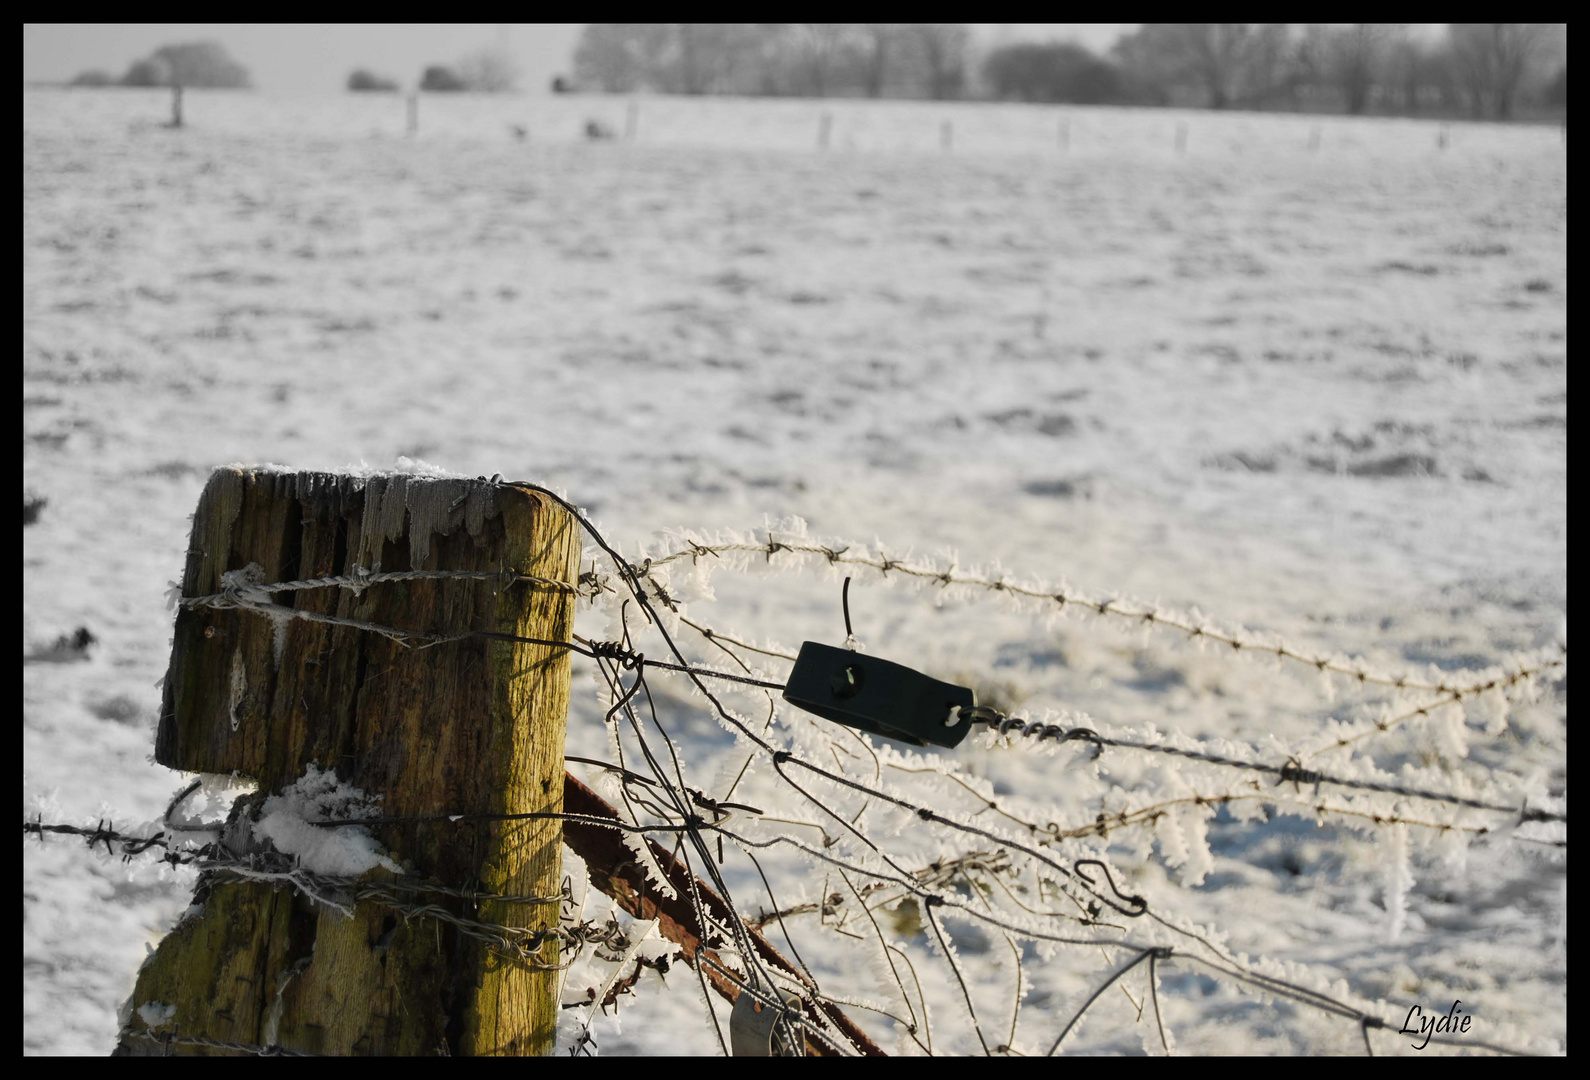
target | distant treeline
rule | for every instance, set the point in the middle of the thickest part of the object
(923, 60)
(206, 64)
(200, 64)
(1483, 70)
(488, 71)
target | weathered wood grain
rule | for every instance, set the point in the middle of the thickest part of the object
(463, 727)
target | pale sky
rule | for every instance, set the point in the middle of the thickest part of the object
(306, 58)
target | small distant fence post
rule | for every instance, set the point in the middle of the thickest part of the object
(946, 136)
(471, 726)
(176, 105)
(414, 113)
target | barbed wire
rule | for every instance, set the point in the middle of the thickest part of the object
(638, 593)
(245, 592)
(1223, 964)
(1291, 771)
(1104, 824)
(1070, 599)
(173, 1039)
(1386, 724)
(363, 578)
(657, 801)
(514, 943)
(521, 945)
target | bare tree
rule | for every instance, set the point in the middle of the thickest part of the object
(1213, 58)
(763, 64)
(940, 50)
(621, 57)
(1418, 74)
(822, 48)
(604, 60)
(1270, 64)
(708, 55)
(1352, 57)
(730, 57)
(1220, 54)
(815, 59)
(1492, 60)
(882, 45)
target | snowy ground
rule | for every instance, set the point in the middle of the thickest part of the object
(1315, 395)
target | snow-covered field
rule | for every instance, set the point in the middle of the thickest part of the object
(1321, 396)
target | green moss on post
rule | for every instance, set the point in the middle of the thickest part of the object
(473, 726)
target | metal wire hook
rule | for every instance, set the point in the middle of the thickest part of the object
(1136, 901)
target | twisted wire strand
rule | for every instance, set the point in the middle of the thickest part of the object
(517, 942)
(632, 580)
(1291, 771)
(1104, 824)
(692, 828)
(361, 579)
(216, 1044)
(1131, 611)
(257, 599)
(1221, 963)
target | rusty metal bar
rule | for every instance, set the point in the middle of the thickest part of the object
(613, 870)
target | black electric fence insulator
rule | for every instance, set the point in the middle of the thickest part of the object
(877, 696)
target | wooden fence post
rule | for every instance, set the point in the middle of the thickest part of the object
(176, 105)
(471, 726)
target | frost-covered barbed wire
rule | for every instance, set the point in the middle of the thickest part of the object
(246, 588)
(1523, 679)
(798, 549)
(361, 579)
(646, 585)
(1105, 823)
(106, 833)
(1291, 771)
(1299, 987)
(1028, 876)
(342, 893)
(928, 884)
